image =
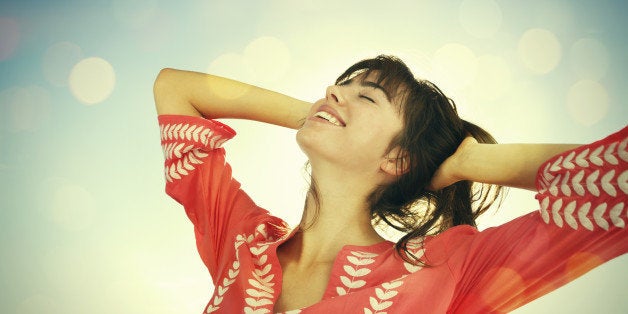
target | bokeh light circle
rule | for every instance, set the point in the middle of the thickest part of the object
(499, 283)
(580, 263)
(92, 80)
(58, 62)
(9, 37)
(539, 50)
(455, 66)
(264, 61)
(589, 59)
(480, 18)
(268, 57)
(587, 102)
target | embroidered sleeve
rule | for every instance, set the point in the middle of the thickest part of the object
(581, 224)
(198, 177)
(586, 187)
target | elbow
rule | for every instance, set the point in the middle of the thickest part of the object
(170, 95)
(162, 81)
(162, 89)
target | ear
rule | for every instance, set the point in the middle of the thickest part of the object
(396, 162)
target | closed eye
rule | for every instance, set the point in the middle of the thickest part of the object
(367, 98)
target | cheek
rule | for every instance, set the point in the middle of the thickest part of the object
(374, 138)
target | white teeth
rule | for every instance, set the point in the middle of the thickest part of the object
(327, 116)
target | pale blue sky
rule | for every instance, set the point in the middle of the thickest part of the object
(84, 223)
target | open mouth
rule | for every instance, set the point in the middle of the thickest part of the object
(329, 117)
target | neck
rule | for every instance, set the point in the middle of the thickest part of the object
(340, 217)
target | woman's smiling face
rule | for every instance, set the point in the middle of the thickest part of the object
(352, 126)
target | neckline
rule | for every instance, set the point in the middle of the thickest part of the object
(376, 248)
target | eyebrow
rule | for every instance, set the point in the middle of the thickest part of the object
(376, 86)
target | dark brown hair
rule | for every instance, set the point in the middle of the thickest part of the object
(432, 132)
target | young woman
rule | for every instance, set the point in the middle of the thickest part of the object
(385, 147)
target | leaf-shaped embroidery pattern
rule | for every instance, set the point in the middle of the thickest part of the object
(414, 246)
(393, 284)
(356, 272)
(258, 293)
(411, 268)
(363, 254)
(262, 293)
(219, 292)
(360, 261)
(603, 177)
(383, 295)
(352, 284)
(379, 305)
(249, 310)
(357, 268)
(178, 141)
(257, 302)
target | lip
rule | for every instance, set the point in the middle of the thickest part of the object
(332, 112)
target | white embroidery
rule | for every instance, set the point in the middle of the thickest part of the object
(568, 215)
(544, 207)
(561, 214)
(567, 164)
(598, 216)
(261, 291)
(606, 184)
(622, 182)
(358, 259)
(383, 295)
(608, 155)
(181, 156)
(591, 183)
(621, 150)
(564, 186)
(556, 165)
(558, 220)
(615, 214)
(415, 247)
(553, 186)
(576, 185)
(595, 156)
(222, 289)
(581, 161)
(547, 176)
(598, 181)
(232, 273)
(583, 214)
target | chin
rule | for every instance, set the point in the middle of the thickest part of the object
(315, 145)
(307, 139)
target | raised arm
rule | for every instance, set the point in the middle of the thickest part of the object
(197, 94)
(513, 165)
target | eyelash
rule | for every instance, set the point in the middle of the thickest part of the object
(367, 98)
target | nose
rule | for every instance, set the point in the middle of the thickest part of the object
(334, 95)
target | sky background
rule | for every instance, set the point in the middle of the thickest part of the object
(84, 223)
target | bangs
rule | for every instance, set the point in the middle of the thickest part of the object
(389, 72)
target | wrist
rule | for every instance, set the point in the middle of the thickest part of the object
(462, 165)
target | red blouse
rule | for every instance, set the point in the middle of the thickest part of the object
(580, 225)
